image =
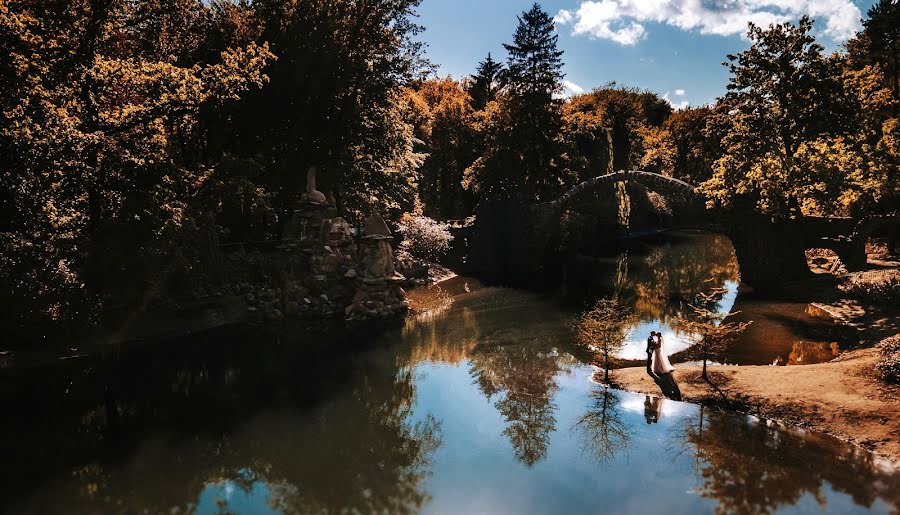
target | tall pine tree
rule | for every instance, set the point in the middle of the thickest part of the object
(535, 63)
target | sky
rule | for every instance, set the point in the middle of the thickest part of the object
(673, 47)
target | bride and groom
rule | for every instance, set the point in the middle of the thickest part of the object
(659, 368)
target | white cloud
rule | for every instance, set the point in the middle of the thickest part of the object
(676, 106)
(623, 21)
(563, 17)
(570, 88)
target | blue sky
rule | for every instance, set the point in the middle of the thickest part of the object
(673, 47)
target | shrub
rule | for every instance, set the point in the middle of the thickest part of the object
(881, 286)
(889, 365)
(424, 237)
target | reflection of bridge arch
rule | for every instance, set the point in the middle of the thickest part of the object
(652, 180)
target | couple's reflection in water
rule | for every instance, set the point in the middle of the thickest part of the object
(653, 408)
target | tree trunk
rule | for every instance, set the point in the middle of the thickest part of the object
(768, 252)
(606, 367)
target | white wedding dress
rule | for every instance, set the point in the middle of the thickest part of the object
(661, 363)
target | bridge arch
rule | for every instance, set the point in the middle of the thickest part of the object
(652, 180)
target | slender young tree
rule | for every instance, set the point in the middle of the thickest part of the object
(714, 336)
(603, 330)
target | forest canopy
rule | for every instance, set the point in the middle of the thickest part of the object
(133, 129)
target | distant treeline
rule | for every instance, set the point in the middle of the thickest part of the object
(132, 129)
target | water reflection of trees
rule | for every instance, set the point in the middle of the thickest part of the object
(748, 468)
(668, 277)
(602, 430)
(523, 377)
(335, 440)
(659, 281)
(516, 345)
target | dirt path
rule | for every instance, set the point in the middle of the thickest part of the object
(842, 398)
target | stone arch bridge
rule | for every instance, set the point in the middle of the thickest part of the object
(512, 240)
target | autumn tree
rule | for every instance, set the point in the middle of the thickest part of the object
(603, 330)
(625, 114)
(103, 164)
(683, 147)
(879, 43)
(333, 102)
(442, 117)
(783, 102)
(871, 77)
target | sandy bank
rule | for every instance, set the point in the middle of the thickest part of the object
(842, 397)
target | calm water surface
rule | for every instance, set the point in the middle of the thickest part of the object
(480, 404)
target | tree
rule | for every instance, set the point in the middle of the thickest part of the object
(879, 43)
(871, 77)
(619, 120)
(714, 336)
(104, 165)
(682, 147)
(603, 330)
(534, 68)
(486, 83)
(522, 134)
(602, 429)
(783, 96)
(443, 120)
(333, 102)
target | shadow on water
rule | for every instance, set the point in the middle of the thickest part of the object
(479, 404)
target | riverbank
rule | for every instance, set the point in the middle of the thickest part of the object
(842, 398)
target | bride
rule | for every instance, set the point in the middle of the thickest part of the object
(660, 369)
(661, 363)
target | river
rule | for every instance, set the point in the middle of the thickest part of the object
(479, 404)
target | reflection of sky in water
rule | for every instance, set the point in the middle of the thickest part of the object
(636, 342)
(230, 497)
(475, 470)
